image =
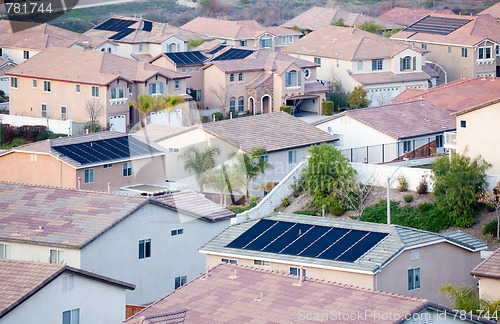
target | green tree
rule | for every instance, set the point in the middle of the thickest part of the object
(338, 22)
(458, 181)
(144, 104)
(193, 43)
(198, 161)
(389, 33)
(327, 172)
(466, 299)
(249, 166)
(223, 180)
(168, 103)
(491, 199)
(371, 27)
(357, 98)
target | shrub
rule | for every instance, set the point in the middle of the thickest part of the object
(297, 187)
(285, 202)
(305, 212)
(15, 142)
(422, 186)
(337, 210)
(252, 202)
(287, 109)
(218, 116)
(402, 184)
(423, 207)
(490, 228)
(408, 198)
(327, 107)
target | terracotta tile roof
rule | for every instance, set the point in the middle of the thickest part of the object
(346, 44)
(274, 132)
(472, 33)
(407, 16)
(19, 280)
(317, 17)
(314, 87)
(177, 317)
(237, 294)
(457, 95)
(490, 267)
(389, 77)
(493, 11)
(404, 120)
(91, 67)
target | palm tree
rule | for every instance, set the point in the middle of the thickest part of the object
(198, 161)
(168, 103)
(250, 166)
(145, 103)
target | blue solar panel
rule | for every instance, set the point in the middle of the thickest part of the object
(124, 33)
(324, 242)
(215, 50)
(306, 239)
(251, 233)
(148, 26)
(115, 24)
(286, 238)
(187, 58)
(342, 245)
(268, 236)
(361, 247)
(233, 54)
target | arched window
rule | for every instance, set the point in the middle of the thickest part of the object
(109, 49)
(231, 78)
(241, 104)
(172, 47)
(291, 78)
(406, 64)
(232, 104)
(360, 65)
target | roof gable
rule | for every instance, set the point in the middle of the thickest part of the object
(490, 267)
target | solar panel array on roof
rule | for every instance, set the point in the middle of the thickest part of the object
(106, 150)
(313, 241)
(148, 26)
(115, 24)
(437, 25)
(123, 33)
(215, 50)
(187, 58)
(233, 54)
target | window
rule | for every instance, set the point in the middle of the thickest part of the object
(109, 49)
(413, 278)
(307, 73)
(4, 251)
(376, 65)
(292, 157)
(230, 261)
(296, 271)
(35, 83)
(265, 42)
(197, 69)
(317, 60)
(415, 254)
(1, 51)
(144, 249)
(424, 46)
(63, 113)
(180, 281)
(117, 93)
(464, 52)
(71, 316)
(243, 43)
(231, 78)
(240, 77)
(127, 169)
(88, 176)
(95, 91)
(184, 70)
(291, 78)
(141, 47)
(176, 232)
(290, 39)
(360, 65)
(449, 49)
(56, 256)
(177, 84)
(406, 63)
(26, 55)
(283, 39)
(497, 50)
(13, 82)
(241, 105)
(107, 166)
(156, 88)
(463, 124)
(265, 158)
(44, 110)
(47, 86)
(78, 88)
(439, 141)
(484, 53)
(407, 146)
(262, 263)
(232, 104)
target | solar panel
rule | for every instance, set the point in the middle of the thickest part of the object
(115, 24)
(106, 150)
(306, 240)
(215, 50)
(148, 26)
(124, 33)
(233, 54)
(187, 58)
(437, 25)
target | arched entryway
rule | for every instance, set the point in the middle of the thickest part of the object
(266, 104)
(251, 105)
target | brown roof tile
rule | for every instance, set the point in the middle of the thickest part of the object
(493, 10)
(236, 294)
(389, 77)
(274, 132)
(490, 267)
(407, 16)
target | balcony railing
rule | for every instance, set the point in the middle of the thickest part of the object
(450, 140)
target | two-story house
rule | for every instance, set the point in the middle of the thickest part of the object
(142, 39)
(462, 46)
(79, 84)
(243, 33)
(151, 242)
(357, 58)
(261, 83)
(103, 161)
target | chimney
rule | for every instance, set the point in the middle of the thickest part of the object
(205, 277)
(109, 187)
(79, 182)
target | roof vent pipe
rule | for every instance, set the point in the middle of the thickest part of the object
(79, 182)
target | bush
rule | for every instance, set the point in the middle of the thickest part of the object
(240, 209)
(287, 109)
(305, 212)
(337, 210)
(327, 107)
(402, 184)
(218, 116)
(423, 207)
(490, 228)
(285, 202)
(15, 142)
(408, 198)
(422, 186)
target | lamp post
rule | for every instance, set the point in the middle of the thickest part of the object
(389, 193)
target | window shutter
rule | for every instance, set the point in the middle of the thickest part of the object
(299, 82)
(162, 87)
(150, 88)
(401, 64)
(414, 63)
(287, 79)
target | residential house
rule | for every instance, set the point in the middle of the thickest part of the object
(407, 16)
(103, 161)
(317, 17)
(34, 292)
(285, 138)
(354, 58)
(80, 83)
(5, 66)
(493, 10)
(151, 242)
(142, 39)
(462, 46)
(488, 276)
(233, 293)
(413, 129)
(20, 40)
(243, 33)
(390, 258)
(261, 83)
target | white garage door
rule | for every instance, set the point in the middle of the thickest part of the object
(118, 123)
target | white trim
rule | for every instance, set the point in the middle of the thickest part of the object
(262, 103)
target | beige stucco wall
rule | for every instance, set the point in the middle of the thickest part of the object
(39, 169)
(344, 277)
(489, 288)
(17, 54)
(41, 253)
(478, 137)
(439, 264)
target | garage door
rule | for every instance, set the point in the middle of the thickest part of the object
(118, 123)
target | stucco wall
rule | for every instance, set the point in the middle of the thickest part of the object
(489, 288)
(41, 253)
